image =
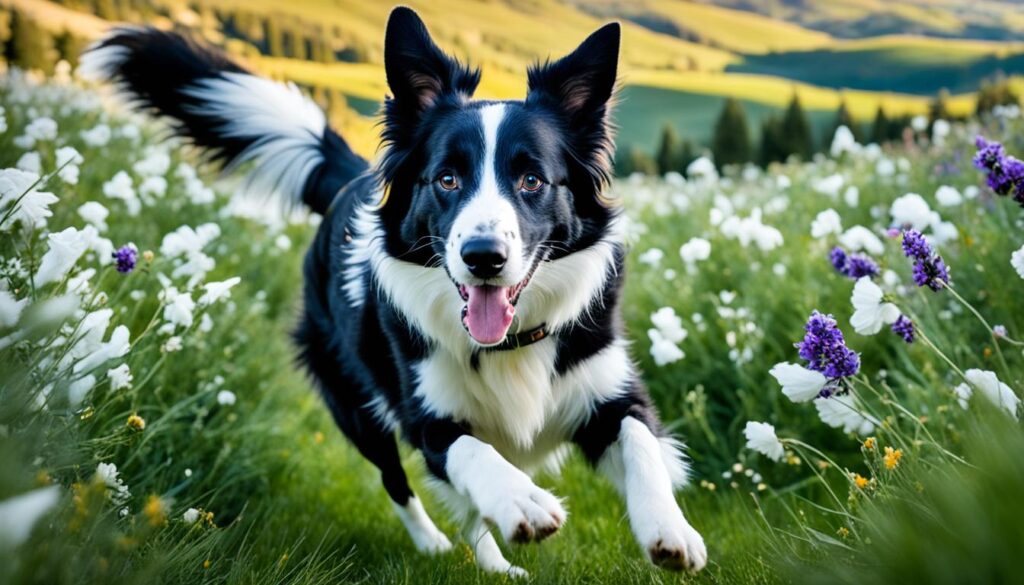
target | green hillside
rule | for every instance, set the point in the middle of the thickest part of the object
(983, 19)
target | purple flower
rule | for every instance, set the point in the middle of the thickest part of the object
(852, 265)
(1004, 173)
(860, 265)
(999, 330)
(838, 258)
(904, 327)
(824, 348)
(125, 257)
(929, 269)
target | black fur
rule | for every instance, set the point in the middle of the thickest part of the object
(158, 67)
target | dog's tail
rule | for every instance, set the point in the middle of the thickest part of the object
(239, 117)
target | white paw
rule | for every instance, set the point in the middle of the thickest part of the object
(431, 542)
(517, 572)
(523, 512)
(676, 547)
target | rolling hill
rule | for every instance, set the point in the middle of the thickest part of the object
(680, 58)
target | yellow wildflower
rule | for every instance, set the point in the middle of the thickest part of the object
(147, 255)
(869, 443)
(206, 564)
(860, 481)
(318, 437)
(155, 511)
(892, 457)
(136, 422)
(843, 532)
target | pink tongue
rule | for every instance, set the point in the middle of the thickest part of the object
(488, 313)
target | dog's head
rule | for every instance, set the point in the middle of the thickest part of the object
(490, 190)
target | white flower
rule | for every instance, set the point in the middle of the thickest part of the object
(154, 186)
(3, 120)
(798, 383)
(841, 411)
(18, 188)
(108, 474)
(156, 164)
(761, 438)
(205, 323)
(96, 137)
(829, 185)
(103, 247)
(851, 196)
(940, 130)
(30, 162)
(827, 222)
(702, 169)
(669, 324)
(40, 129)
(997, 392)
(948, 196)
(843, 141)
(751, 230)
(943, 232)
(779, 269)
(885, 167)
(10, 309)
(66, 247)
(963, 394)
(283, 242)
(919, 123)
(860, 238)
(20, 514)
(120, 187)
(870, 313)
(179, 309)
(117, 346)
(172, 344)
(68, 160)
(1017, 261)
(191, 516)
(216, 291)
(226, 398)
(913, 211)
(663, 350)
(120, 377)
(79, 388)
(695, 250)
(95, 214)
(651, 257)
(185, 245)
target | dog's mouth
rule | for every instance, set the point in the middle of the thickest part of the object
(489, 309)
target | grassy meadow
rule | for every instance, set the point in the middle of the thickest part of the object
(228, 469)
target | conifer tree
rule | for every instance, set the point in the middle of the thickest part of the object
(730, 143)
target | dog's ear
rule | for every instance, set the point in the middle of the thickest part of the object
(581, 83)
(419, 73)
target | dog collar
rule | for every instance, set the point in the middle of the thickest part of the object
(517, 340)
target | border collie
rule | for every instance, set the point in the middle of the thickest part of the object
(464, 289)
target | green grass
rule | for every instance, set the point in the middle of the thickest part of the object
(294, 503)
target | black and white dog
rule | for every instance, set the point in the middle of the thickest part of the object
(464, 290)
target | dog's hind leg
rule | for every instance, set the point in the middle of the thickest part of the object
(372, 435)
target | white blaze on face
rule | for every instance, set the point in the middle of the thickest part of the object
(488, 214)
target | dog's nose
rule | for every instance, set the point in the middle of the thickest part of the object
(484, 256)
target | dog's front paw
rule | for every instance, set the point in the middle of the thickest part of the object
(523, 512)
(678, 548)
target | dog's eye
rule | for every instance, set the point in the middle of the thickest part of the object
(448, 181)
(531, 182)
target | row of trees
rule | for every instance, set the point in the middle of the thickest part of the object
(28, 45)
(788, 133)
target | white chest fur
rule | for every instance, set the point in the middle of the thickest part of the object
(513, 399)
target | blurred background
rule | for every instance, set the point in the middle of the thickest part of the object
(749, 80)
